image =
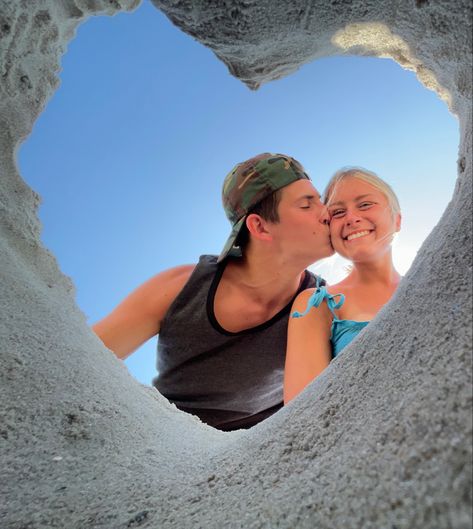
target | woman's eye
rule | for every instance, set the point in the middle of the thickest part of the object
(337, 213)
(366, 205)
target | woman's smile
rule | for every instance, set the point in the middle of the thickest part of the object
(357, 234)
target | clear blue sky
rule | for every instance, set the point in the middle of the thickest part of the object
(130, 153)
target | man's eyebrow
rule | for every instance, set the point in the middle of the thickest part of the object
(340, 202)
(308, 197)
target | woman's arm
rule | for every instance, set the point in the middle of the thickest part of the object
(308, 345)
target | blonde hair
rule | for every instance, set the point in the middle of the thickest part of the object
(368, 177)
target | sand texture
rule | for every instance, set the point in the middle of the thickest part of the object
(381, 440)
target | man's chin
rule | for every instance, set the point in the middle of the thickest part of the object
(330, 250)
(323, 255)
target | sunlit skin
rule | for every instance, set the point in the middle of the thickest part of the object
(252, 289)
(362, 226)
(361, 222)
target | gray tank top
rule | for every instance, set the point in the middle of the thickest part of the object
(229, 379)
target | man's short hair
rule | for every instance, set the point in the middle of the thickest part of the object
(266, 209)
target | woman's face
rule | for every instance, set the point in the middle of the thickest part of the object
(362, 223)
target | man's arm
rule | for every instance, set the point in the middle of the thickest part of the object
(138, 317)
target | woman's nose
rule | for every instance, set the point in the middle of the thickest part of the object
(324, 217)
(351, 217)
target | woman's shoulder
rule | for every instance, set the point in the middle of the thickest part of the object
(310, 298)
(306, 293)
(345, 286)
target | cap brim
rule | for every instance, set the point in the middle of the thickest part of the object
(230, 244)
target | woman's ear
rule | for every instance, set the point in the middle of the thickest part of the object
(257, 227)
(398, 220)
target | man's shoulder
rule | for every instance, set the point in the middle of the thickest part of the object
(208, 259)
(312, 280)
(183, 272)
(184, 278)
(168, 283)
(177, 273)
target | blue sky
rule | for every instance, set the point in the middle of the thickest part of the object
(131, 151)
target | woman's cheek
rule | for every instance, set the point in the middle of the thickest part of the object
(335, 235)
(333, 229)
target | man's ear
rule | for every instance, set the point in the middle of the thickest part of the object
(258, 227)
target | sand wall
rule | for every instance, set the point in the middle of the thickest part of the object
(381, 440)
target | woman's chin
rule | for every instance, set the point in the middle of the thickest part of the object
(340, 250)
(356, 249)
(356, 255)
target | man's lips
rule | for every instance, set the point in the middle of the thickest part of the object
(357, 235)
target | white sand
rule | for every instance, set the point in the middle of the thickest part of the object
(381, 440)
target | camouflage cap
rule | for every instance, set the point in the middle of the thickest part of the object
(250, 182)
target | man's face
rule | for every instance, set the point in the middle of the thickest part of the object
(302, 232)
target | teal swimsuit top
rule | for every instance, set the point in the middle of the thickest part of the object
(343, 331)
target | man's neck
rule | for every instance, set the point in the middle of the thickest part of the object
(264, 278)
(253, 289)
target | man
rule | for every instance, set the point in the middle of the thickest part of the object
(222, 323)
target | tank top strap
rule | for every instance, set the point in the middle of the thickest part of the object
(320, 293)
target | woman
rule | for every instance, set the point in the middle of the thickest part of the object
(364, 215)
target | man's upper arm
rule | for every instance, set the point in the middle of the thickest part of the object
(138, 317)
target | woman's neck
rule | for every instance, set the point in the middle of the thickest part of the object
(380, 271)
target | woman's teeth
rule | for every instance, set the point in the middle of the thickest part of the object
(357, 235)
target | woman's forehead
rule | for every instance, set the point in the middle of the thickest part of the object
(352, 188)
